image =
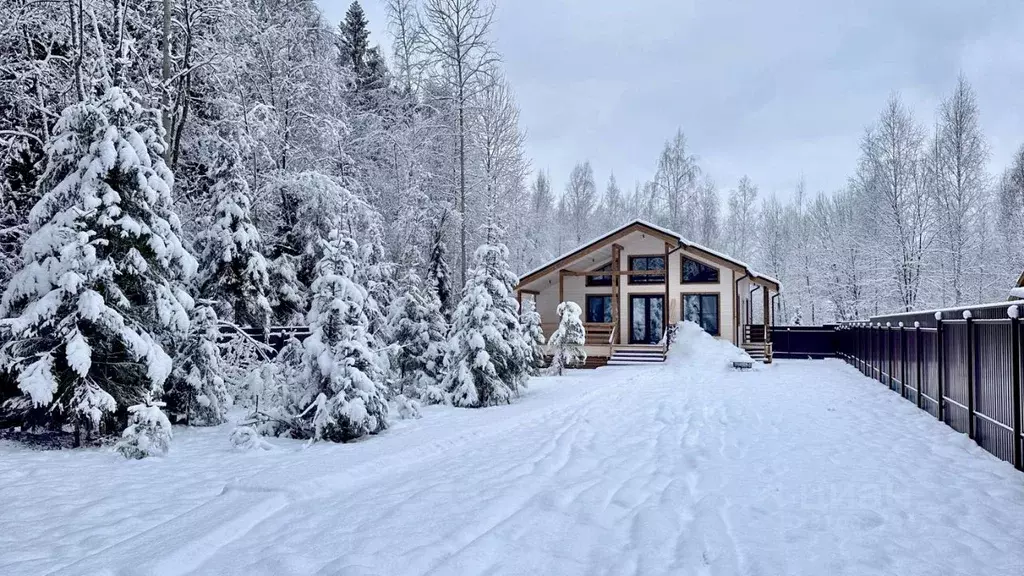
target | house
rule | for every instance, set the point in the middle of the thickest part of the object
(636, 280)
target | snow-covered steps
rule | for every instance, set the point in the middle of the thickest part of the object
(636, 354)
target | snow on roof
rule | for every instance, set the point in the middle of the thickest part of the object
(1017, 292)
(749, 270)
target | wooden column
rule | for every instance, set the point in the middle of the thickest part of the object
(668, 303)
(616, 281)
(561, 286)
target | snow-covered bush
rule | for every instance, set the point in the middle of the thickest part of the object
(568, 339)
(196, 390)
(533, 334)
(100, 292)
(406, 408)
(247, 438)
(418, 335)
(148, 432)
(233, 272)
(486, 360)
(339, 386)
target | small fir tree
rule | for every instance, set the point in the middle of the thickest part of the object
(233, 271)
(287, 295)
(418, 331)
(148, 432)
(100, 293)
(487, 357)
(568, 340)
(346, 398)
(533, 334)
(197, 393)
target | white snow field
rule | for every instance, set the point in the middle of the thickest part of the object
(802, 467)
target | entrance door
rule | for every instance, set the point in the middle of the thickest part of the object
(646, 319)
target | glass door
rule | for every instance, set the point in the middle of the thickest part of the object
(646, 323)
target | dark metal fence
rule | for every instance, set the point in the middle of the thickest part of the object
(804, 341)
(965, 371)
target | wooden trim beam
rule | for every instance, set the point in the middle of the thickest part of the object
(614, 273)
(595, 246)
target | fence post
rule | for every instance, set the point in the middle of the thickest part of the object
(889, 354)
(903, 360)
(939, 360)
(970, 374)
(1018, 458)
(918, 361)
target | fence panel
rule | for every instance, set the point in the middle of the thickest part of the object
(929, 371)
(954, 375)
(993, 386)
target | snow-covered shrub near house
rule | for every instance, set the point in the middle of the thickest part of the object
(486, 360)
(418, 334)
(533, 334)
(100, 292)
(148, 432)
(196, 391)
(339, 394)
(568, 339)
(233, 271)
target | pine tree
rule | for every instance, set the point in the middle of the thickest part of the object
(418, 331)
(196, 391)
(341, 371)
(568, 340)
(233, 270)
(100, 293)
(533, 334)
(486, 361)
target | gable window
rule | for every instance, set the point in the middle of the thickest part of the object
(703, 310)
(599, 309)
(601, 280)
(695, 272)
(647, 263)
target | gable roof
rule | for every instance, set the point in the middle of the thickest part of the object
(648, 228)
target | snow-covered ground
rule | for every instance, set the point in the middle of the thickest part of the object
(803, 467)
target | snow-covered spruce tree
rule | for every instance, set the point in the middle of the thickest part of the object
(344, 395)
(418, 334)
(487, 356)
(439, 275)
(377, 275)
(568, 339)
(287, 295)
(533, 334)
(233, 271)
(100, 293)
(148, 432)
(196, 391)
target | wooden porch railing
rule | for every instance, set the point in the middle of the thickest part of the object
(598, 333)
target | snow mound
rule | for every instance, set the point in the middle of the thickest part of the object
(695, 348)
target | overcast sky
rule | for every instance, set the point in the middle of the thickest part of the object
(772, 89)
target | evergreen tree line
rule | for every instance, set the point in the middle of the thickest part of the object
(178, 173)
(923, 221)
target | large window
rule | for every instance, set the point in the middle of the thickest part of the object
(601, 280)
(697, 272)
(702, 309)
(647, 263)
(599, 309)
